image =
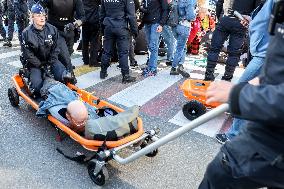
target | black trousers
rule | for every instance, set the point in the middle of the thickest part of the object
(119, 36)
(239, 166)
(90, 43)
(65, 44)
(227, 27)
(36, 76)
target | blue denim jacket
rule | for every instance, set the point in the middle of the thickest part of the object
(186, 9)
(60, 94)
(258, 30)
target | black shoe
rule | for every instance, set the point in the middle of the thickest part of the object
(174, 71)
(222, 138)
(229, 73)
(133, 64)
(7, 43)
(128, 79)
(169, 63)
(182, 72)
(103, 74)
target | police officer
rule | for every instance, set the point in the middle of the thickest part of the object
(40, 50)
(255, 158)
(10, 13)
(90, 33)
(116, 15)
(22, 16)
(61, 14)
(228, 26)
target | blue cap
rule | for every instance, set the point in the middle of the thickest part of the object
(37, 9)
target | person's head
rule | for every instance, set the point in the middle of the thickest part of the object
(38, 16)
(202, 12)
(77, 114)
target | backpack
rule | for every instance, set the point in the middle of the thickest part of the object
(173, 18)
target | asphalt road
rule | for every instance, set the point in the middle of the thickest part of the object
(29, 159)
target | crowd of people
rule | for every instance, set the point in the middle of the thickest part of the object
(252, 154)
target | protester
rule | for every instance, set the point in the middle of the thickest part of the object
(155, 14)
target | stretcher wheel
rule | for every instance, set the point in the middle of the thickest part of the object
(13, 96)
(193, 109)
(146, 143)
(99, 178)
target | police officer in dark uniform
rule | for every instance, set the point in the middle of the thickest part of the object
(255, 158)
(61, 14)
(228, 26)
(116, 15)
(22, 16)
(40, 50)
(91, 33)
(10, 11)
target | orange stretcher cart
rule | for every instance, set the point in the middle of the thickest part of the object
(96, 165)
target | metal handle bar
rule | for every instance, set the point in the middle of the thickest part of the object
(173, 135)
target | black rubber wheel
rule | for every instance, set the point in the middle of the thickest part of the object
(99, 178)
(13, 97)
(193, 109)
(147, 142)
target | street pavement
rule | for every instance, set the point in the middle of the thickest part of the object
(29, 159)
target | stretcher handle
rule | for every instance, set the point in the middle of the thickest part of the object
(173, 135)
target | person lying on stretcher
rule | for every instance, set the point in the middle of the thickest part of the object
(64, 105)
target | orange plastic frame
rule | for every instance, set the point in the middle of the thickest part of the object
(195, 90)
(92, 145)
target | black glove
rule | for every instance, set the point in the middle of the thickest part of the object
(69, 27)
(69, 77)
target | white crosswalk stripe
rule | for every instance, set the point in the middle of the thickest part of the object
(145, 90)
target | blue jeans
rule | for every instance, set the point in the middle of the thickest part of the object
(252, 70)
(170, 41)
(153, 44)
(181, 34)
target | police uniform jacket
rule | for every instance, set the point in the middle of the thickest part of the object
(119, 14)
(40, 46)
(63, 12)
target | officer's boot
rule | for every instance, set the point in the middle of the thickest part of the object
(103, 74)
(209, 73)
(229, 73)
(7, 43)
(126, 78)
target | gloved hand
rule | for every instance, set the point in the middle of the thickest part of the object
(69, 77)
(69, 27)
(78, 23)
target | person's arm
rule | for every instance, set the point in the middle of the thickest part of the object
(190, 10)
(130, 15)
(219, 8)
(165, 12)
(28, 53)
(263, 103)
